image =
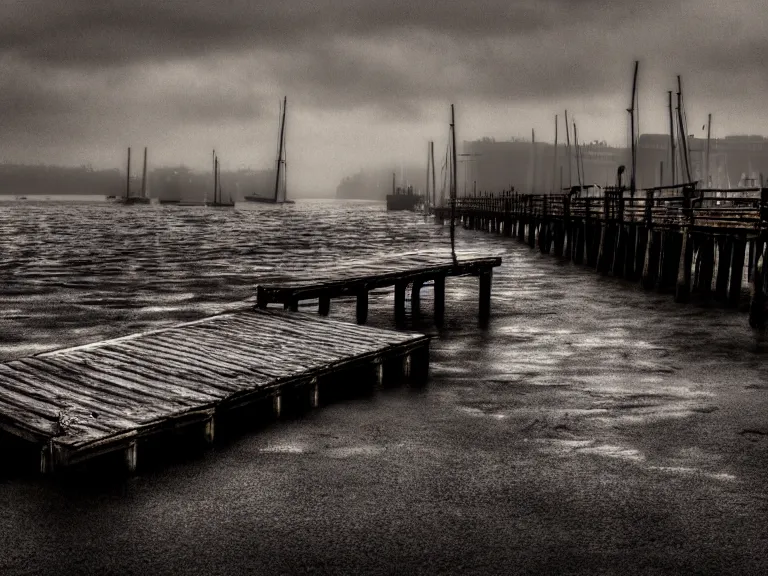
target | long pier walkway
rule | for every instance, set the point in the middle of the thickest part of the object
(674, 238)
(82, 402)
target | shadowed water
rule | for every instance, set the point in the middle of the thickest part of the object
(590, 428)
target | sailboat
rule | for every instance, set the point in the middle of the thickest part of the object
(217, 201)
(142, 198)
(281, 191)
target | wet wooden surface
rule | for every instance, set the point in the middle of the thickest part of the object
(113, 390)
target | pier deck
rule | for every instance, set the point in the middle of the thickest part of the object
(81, 402)
(677, 239)
(400, 272)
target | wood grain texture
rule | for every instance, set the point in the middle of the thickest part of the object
(93, 398)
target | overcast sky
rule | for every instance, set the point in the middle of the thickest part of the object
(367, 81)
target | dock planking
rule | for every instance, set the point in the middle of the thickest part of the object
(82, 402)
(357, 279)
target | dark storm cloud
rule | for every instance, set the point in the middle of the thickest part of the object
(98, 33)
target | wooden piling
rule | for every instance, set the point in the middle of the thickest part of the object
(683, 285)
(361, 311)
(400, 288)
(485, 294)
(757, 305)
(724, 249)
(130, 457)
(324, 307)
(416, 297)
(737, 271)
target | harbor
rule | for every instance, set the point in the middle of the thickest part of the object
(572, 424)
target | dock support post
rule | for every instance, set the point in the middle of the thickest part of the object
(325, 305)
(737, 271)
(651, 261)
(208, 431)
(439, 300)
(706, 267)
(683, 285)
(292, 304)
(46, 458)
(314, 394)
(757, 302)
(485, 294)
(277, 405)
(419, 369)
(723, 268)
(362, 306)
(130, 457)
(400, 287)
(416, 297)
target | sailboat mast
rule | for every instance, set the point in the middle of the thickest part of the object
(568, 148)
(533, 151)
(554, 160)
(632, 130)
(128, 175)
(426, 190)
(682, 132)
(576, 145)
(144, 176)
(280, 147)
(672, 157)
(706, 163)
(434, 182)
(213, 157)
(453, 185)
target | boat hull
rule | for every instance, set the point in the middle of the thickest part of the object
(264, 200)
(403, 202)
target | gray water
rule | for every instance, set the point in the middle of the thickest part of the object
(591, 428)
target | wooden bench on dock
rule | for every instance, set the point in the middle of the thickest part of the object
(350, 280)
(82, 402)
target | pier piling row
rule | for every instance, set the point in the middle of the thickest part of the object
(677, 240)
(357, 282)
(110, 396)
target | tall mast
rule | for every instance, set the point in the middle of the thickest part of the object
(426, 190)
(672, 156)
(393, 183)
(576, 145)
(453, 184)
(280, 147)
(144, 176)
(215, 175)
(533, 151)
(434, 182)
(706, 161)
(632, 130)
(682, 131)
(568, 148)
(128, 175)
(554, 160)
(217, 191)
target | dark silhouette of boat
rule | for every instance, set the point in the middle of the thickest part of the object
(142, 198)
(217, 201)
(403, 198)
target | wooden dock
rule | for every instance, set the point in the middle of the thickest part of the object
(82, 402)
(677, 239)
(400, 272)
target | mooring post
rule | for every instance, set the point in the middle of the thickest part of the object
(723, 267)
(416, 297)
(737, 271)
(277, 405)
(46, 458)
(324, 307)
(485, 294)
(314, 393)
(361, 310)
(292, 304)
(683, 284)
(706, 267)
(130, 456)
(400, 287)
(757, 312)
(439, 300)
(208, 431)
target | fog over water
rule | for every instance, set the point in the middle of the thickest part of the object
(591, 428)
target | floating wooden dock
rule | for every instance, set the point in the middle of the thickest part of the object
(82, 402)
(351, 280)
(676, 239)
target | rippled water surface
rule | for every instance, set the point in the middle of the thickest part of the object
(591, 428)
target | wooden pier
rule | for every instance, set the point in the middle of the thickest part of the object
(675, 239)
(82, 402)
(399, 272)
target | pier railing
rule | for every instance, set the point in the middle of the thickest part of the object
(673, 238)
